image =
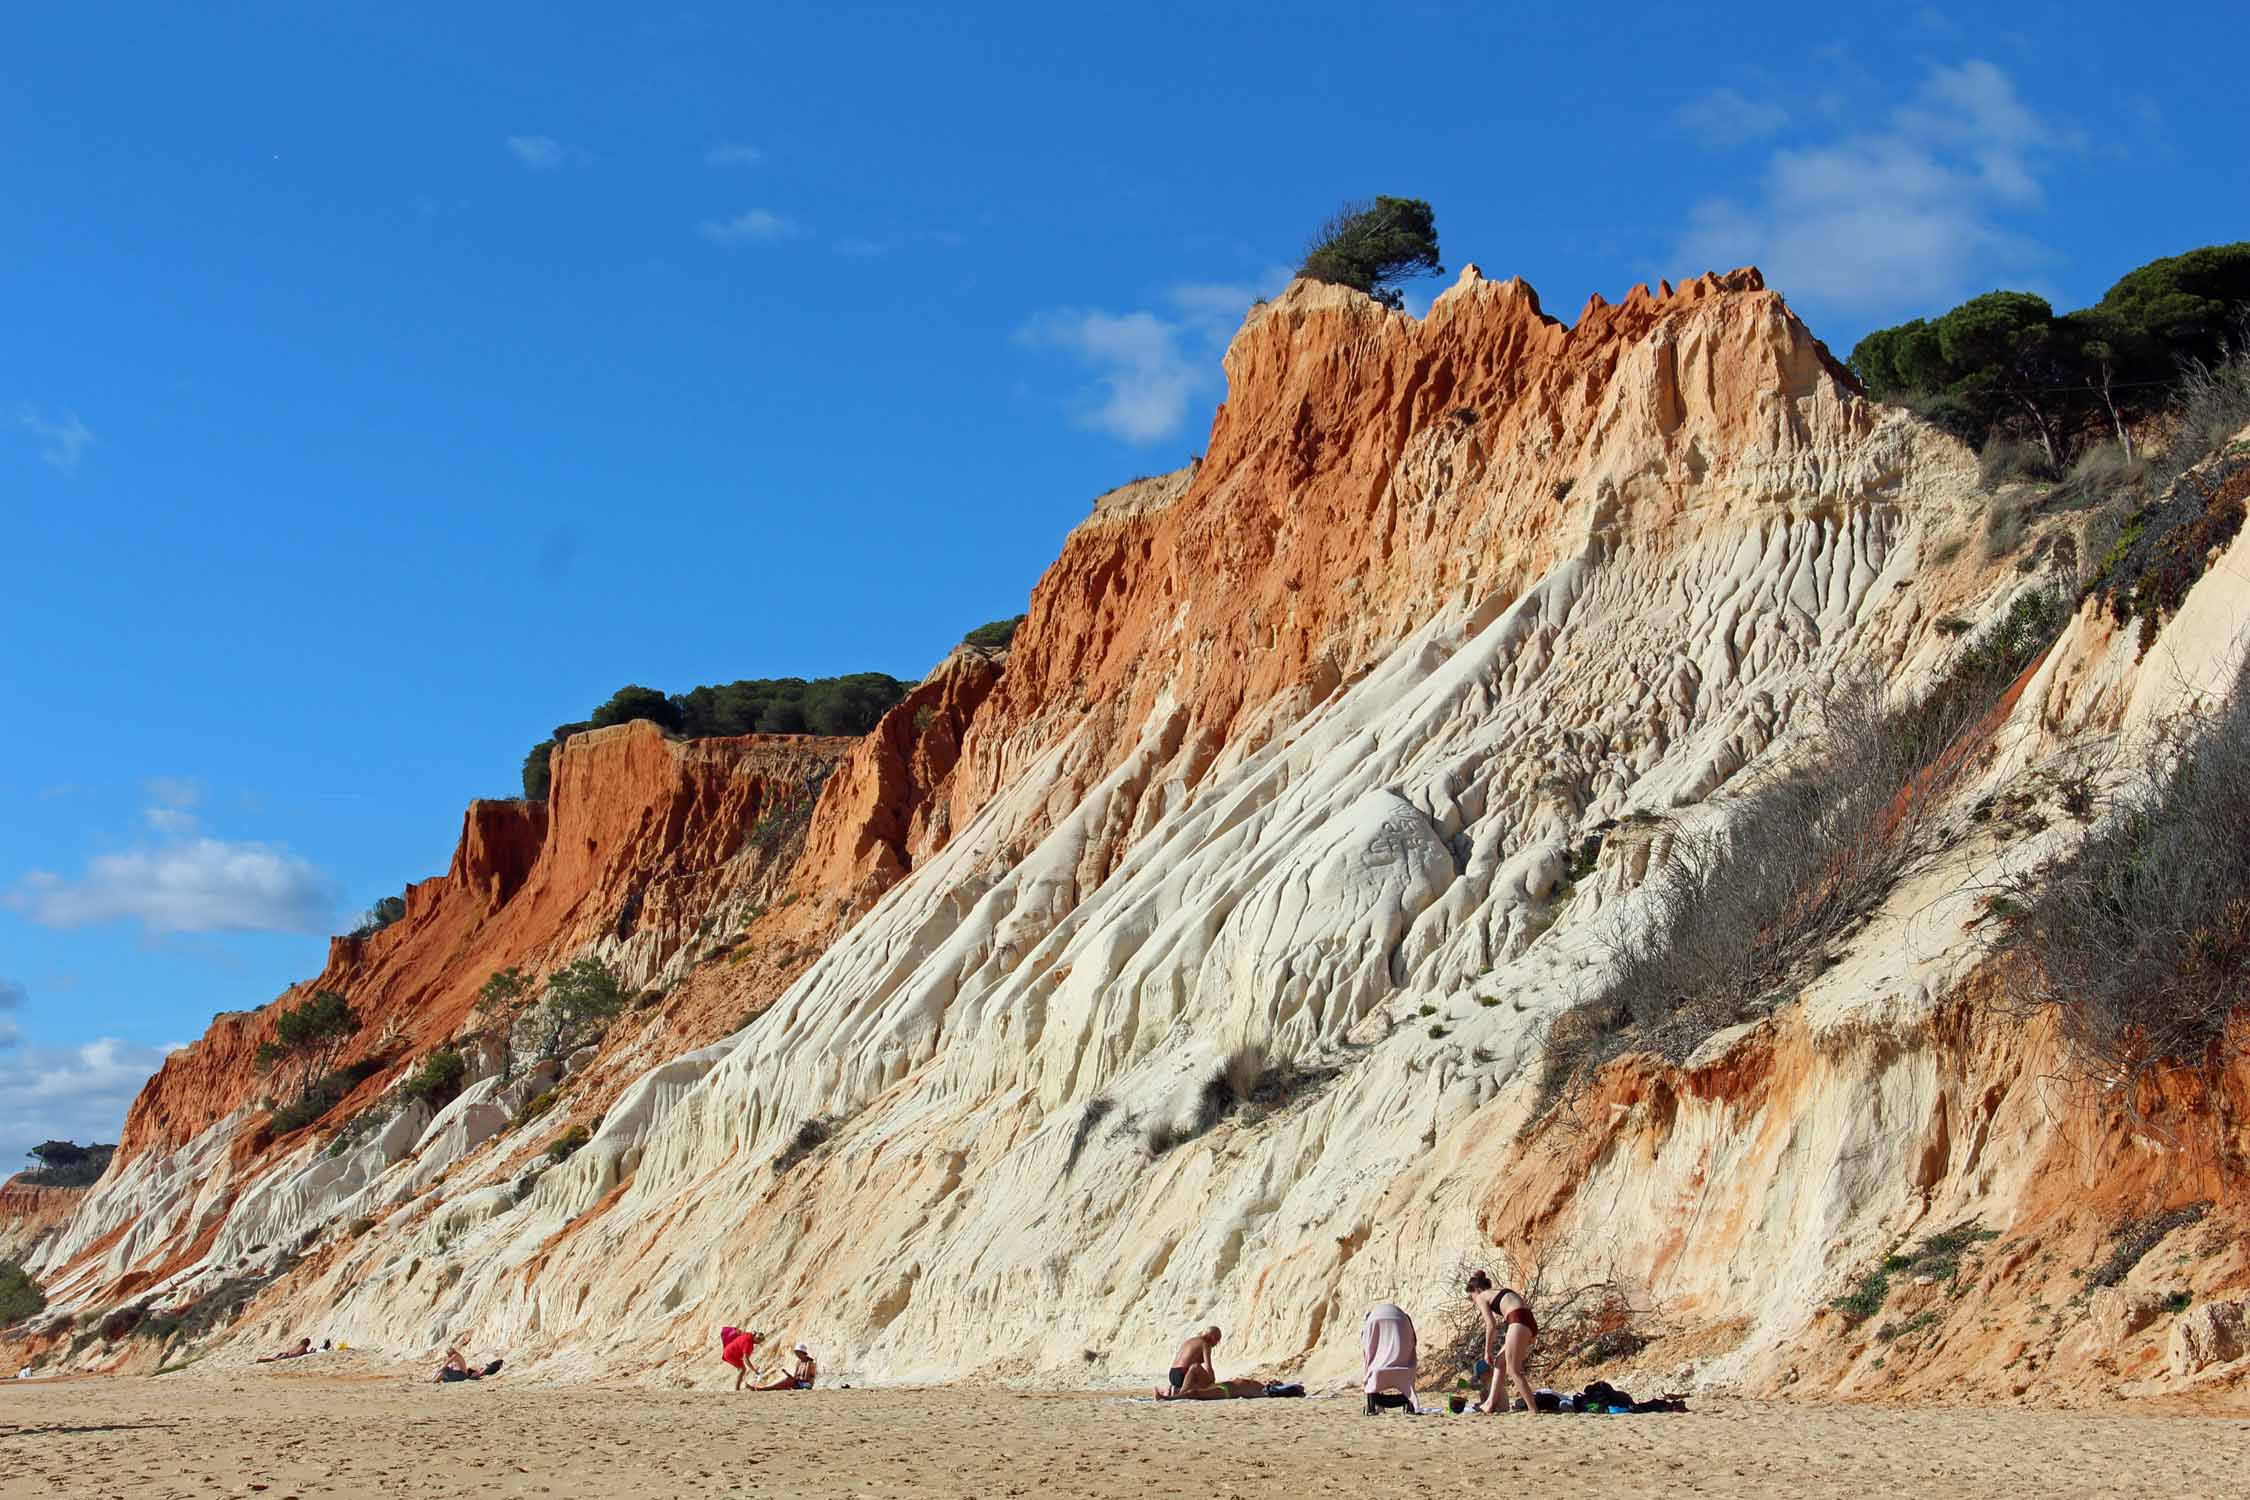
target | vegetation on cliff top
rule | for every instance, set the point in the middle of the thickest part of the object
(847, 705)
(1372, 247)
(994, 635)
(2005, 365)
(67, 1165)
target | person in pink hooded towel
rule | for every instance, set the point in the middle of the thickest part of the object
(736, 1345)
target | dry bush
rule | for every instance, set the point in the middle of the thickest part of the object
(2102, 472)
(1245, 1082)
(2138, 939)
(2003, 531)
(810, 1137)
(2211, 405)
(1737, 914)
(1589, 1322)
(2134, 1238)
(1098, 1109)
(2005, 460)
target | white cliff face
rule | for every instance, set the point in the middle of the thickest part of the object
(1373, 886)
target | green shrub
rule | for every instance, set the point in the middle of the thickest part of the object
(361, 1225)
(438, 1081)
(994, 636)
(20, 1296)
(389, 910)
(564, 1146)
(583, 997)
(1865, 1299)
(536, 1106)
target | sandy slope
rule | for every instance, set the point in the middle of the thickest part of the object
(302, 1433)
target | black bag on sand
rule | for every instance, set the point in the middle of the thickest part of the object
(1281, 1388)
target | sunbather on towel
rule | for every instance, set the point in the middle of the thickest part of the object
(1192, 1377)
(304, 1347)
(1509, 1328)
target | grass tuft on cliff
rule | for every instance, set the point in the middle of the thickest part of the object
(1743, 911)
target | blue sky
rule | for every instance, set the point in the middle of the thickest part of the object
(382, 385)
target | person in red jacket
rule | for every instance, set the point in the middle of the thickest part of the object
(736, 1345)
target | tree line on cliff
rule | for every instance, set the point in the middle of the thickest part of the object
(2005, 365)
(847, 705)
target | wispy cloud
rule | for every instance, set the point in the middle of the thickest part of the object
(1150, 367)
(1904, 216)
(61, 443)
(758, 224)
(733, 154)
(73, 1094)
(172, 801)
(1724, 118)
(541, 153)
(191, 885)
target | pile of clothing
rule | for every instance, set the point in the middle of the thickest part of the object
(1603, 1399)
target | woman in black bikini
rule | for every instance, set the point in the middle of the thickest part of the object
(1508, 1323)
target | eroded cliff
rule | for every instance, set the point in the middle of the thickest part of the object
(1345, 746)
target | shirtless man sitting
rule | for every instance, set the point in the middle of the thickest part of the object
(1192, 1377)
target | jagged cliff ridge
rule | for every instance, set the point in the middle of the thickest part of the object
(1294, 751)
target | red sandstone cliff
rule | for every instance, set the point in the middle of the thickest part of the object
(640, 836)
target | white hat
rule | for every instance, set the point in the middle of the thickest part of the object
(801, 1349)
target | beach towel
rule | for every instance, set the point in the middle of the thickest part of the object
(1388, 1349)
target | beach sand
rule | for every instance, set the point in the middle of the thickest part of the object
(301, 1433)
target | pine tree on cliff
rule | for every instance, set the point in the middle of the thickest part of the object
(1371, 247)
(312, 1034)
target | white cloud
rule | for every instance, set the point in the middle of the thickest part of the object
(1907, 216)
(60, 443)
(1724, 118)
(73, 1094)
(541, 153)
(193, 885)
(757, 224)
(1150, 368)
(730, 154)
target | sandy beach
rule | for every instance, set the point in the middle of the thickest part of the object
(304, 1434)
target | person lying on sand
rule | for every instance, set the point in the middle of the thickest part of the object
(1509, 1325)
(456, 1367)
(304, 1347)
(1192, 1376)
(1241, 1388)
(800, 1377)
